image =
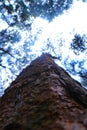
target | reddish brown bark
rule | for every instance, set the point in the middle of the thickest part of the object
(44, 97)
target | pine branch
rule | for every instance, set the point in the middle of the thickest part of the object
(6, 51)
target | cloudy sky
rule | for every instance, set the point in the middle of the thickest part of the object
(62, 27)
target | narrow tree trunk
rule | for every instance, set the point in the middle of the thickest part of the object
(44, 97)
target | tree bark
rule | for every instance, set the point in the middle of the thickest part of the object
(44, 97)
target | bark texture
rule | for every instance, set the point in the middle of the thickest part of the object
(44, 97)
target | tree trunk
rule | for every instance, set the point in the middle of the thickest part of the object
(44, 97)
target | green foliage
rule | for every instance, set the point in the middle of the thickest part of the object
(17, 15)
(79, 44)
(20, 11)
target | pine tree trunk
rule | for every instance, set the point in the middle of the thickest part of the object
(44, 97)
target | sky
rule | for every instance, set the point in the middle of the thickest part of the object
(62, 27)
